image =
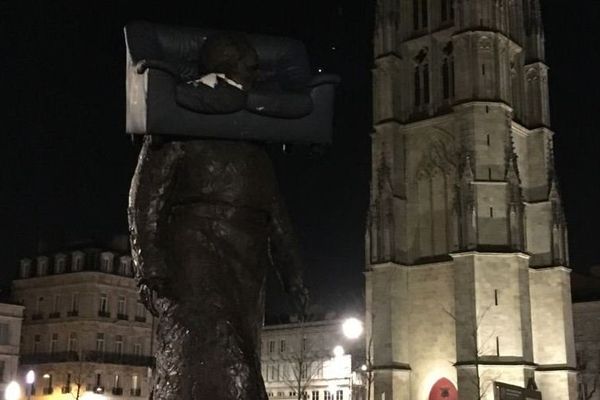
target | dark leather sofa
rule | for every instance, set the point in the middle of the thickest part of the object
(287, 104)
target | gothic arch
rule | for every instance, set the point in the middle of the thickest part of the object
(443, 389)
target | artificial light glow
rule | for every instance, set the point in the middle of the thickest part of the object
(46, 376)
(92, 396)
(30, 377)
(338, 351)
(363, 367)
(12, 391)
(352, 328)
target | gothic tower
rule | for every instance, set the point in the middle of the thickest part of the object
(467, 278)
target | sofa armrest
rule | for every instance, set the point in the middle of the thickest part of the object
(322, 79)
(142, 65)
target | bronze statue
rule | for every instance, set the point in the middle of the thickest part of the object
(207, 223)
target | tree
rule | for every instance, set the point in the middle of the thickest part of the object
(302, 363)
(369, 372)
(478, 347)
(588, 377)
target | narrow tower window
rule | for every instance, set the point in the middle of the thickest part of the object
(489, 174)
(444, 10)
(417, 79)
(497, 346)
(426, 83)
(488, 139)
(496, 297)
(482, 69)
(415, 14)
(424, 13)
(491, 212)
(446, 79)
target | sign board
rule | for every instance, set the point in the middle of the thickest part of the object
(504, 391)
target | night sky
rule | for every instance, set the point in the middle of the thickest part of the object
(67, 164)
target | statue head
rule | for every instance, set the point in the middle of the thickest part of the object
(232, 54)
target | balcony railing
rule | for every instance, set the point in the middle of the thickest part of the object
(117, 391)
(88, 356)
(140, 319)
(73, 313)
(43, 358)
(54, 315)
(119, 358)
(124, 317)
(135, 392)
(103, 314)
(37, 316)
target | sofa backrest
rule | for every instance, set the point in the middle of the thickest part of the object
(281, 60)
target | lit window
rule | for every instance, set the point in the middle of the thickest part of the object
(72, 344)
(4, 334)
(59, 264)
(119, 344)
(100, 342)
(42, 266)
(37, 339)
(106, 264)
(121, 305)
(103, 306)
(53, 342)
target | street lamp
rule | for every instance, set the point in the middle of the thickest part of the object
(30, 379)
(352, 328)
(12, 391)
(338, 351)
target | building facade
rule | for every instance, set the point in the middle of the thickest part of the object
(467, 282)
(314, 359)
(586, 319)
(11, 317)
(84, 330)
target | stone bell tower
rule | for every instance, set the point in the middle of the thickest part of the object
(467, 279)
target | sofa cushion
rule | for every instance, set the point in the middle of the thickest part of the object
(222, 99)
(271, 101)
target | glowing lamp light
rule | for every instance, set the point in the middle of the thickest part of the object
(338, 351)
(363, 367)
(12, 391)
(30, 377)
(46, 376)
(352, 328)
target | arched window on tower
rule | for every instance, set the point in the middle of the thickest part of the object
(448, 73)
(447, 10)
(421, 79)
(420, 14)
(417, 79)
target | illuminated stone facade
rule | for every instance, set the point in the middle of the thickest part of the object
(11, 317)
(467, 278)
(586, 319)
(302, 356)
(84, 327)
